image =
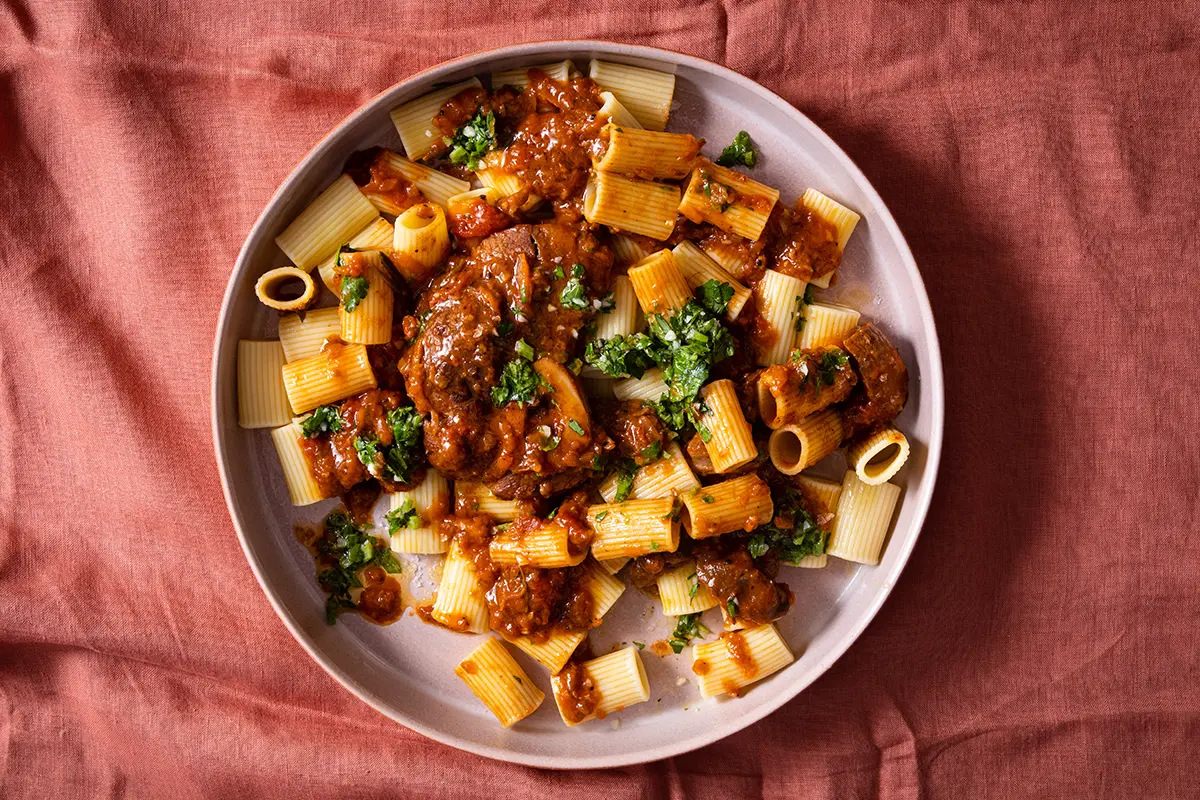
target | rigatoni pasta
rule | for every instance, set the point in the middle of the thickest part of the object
(303, 335)
(796, 447)
(378, 235)
(862, 520)
(337, 214)
(652, 155)
(618, 680)
(460, 604)
(738, 504)
(368, 320)
(475, 498)
(779, 298)
(825, 325)
(698, 268)
(262, 400)
(730, 444)
(668, 476)
(422, 241)
(414, 119)
(646, 93)
(659, 284)
(738, 659)
(681, 592)
(335, 373)
(877, 457)
(728, 199)
(634, 528)
(303, 489)
(421, 507)
(625, 316)
(495, 677)
(630, 204)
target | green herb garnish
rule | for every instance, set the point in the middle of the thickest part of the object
(473, 140)
(518, 383)
(626, 469)
(324, 419)
(797, 537)
(687, 627)
(740, 153)
(349, 549)
(715, 296)
(575, 426)
(354, 291)
(525, 350)
(831, 362)
(406, 516)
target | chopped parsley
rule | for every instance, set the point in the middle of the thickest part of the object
(687, 627)
(324, 419)
(708, 498)
(407, 447)
(549, 440)
(831, 362)
(574, 294)
(367, 448)
(504, 327)
(575, 426)
(346, 549)
(732, 607)
(473, 140)
(601, 516)
(792, 533)
(693, 585)
(626, 469)
(558, 272)
(354, 291)
(640, 645)
(652, 452)
(607, 303)
(621, 356)
(740, 153)
(715, 296)
(406, 516)
(525, 350)
(518, 383)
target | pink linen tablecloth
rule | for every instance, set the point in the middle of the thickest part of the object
(1042, 160)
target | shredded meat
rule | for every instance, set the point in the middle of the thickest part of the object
(726, 568)
(633, 426)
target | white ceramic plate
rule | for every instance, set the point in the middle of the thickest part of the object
(406, 670)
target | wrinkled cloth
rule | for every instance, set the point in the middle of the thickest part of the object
(1042, 160)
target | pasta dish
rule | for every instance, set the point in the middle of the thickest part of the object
(565, 355)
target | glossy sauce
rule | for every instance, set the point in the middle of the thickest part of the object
(576, 693)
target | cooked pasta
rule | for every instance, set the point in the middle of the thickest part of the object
(420, 508)
(728, 199)
(608, 315)
(627, 250)
(632, 205)
(414, 119)
(738, 659)
(779, 298)
(475, 498)
(825, 494)
(460, 604)
(634, 528)
(270, 284)
(737, 504)
(862, 520)
(617, 681)
(421, 241)
(668, 476)
(659, 284)
(519, 76)
(646, 93)
(303, 489)
(825, 325)
(877, 457)
(681, 591)
(617, 113)
(496, 678)
(337, 214)
(436, 185)
(625, 316)
(648, 154)
(262, 400)
(303, 335)
(698, 268)
(335, 373)
(650, 386)
(730, 444)
(799, 446)
(378, 235)
(367, 320)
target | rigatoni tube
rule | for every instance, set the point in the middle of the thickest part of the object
(634, 528)
(737, 504)
(730, 443)
(495, 677)
(337, 372)
(659, 284)
(796, 447)
(632, 205)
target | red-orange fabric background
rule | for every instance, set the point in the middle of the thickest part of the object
(1042, 162)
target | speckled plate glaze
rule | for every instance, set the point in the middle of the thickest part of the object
(405, 670)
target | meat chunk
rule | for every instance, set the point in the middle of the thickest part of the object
(469, 324)
(697, 453)
(810, 381)
(883, 381)
(724, 565)
(633, 426)
(808, 247)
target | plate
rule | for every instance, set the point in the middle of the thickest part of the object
(405, 670)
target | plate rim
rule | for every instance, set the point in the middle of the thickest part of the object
(784, 692)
